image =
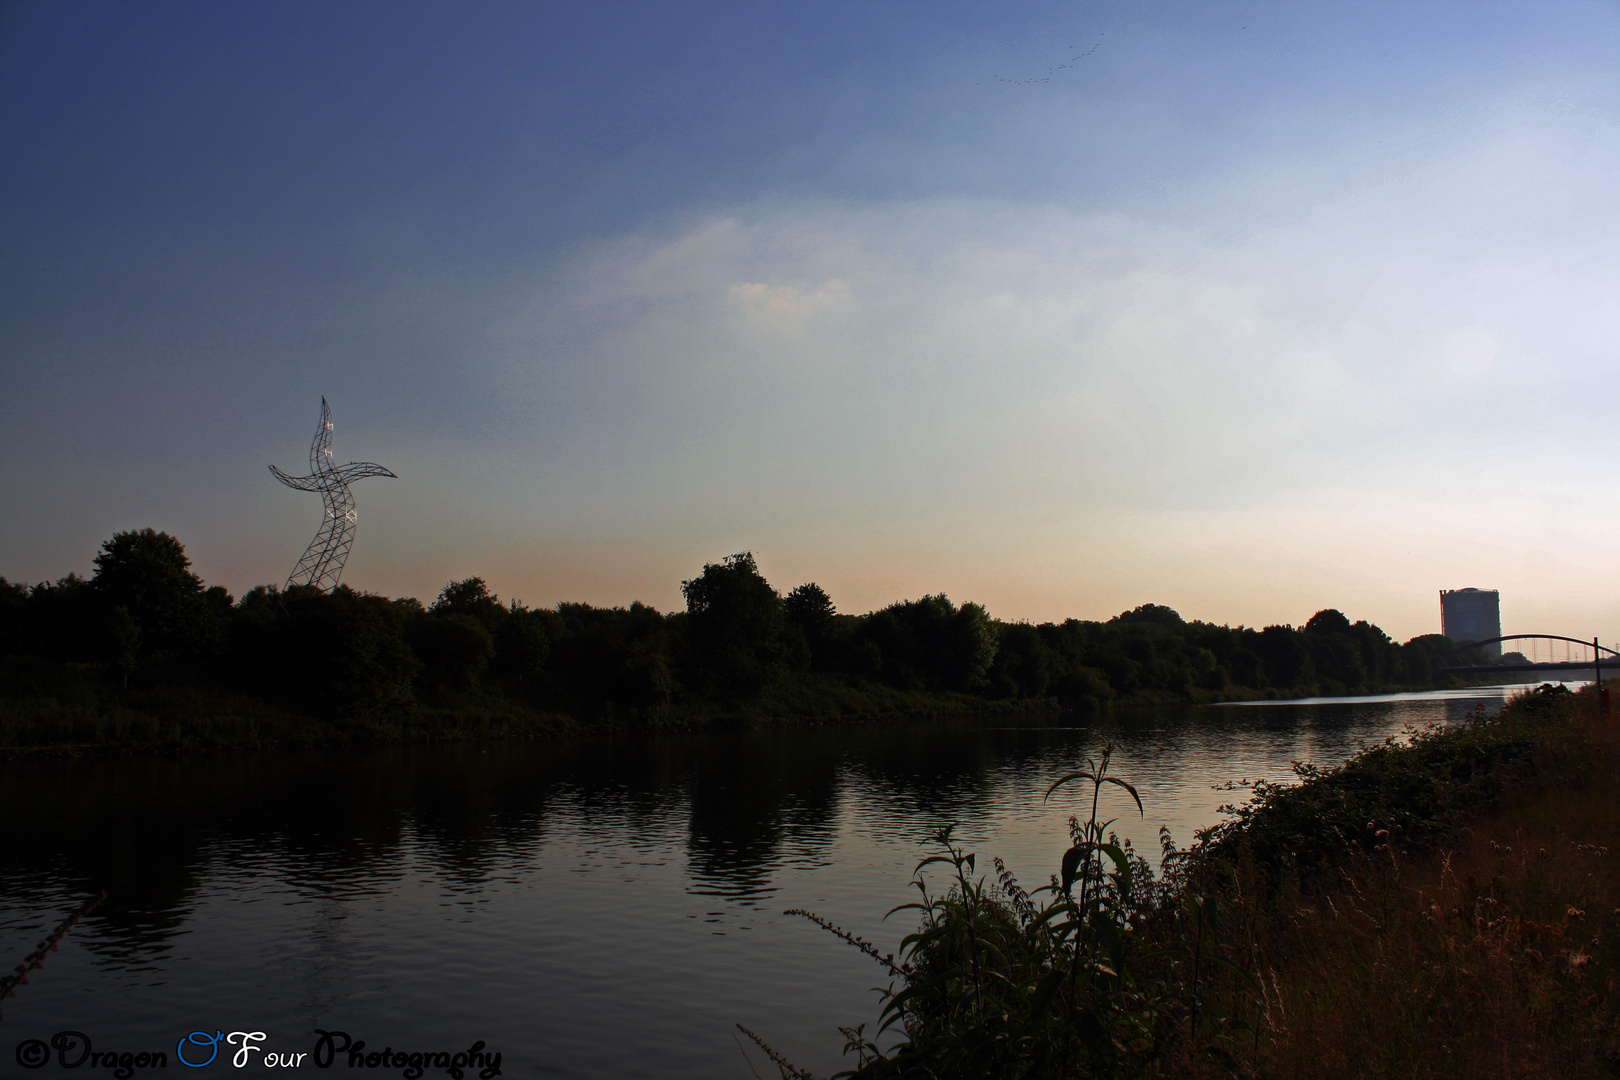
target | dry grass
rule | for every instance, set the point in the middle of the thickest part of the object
(1495, 955)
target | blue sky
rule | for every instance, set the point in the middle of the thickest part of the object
(1250, 309)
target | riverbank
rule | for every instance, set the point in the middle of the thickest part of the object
(61, 709)
(57, 709)
(1443, 905)
(143, 655)
(1462, 917)
(77, 710)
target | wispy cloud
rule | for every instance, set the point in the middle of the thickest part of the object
(1242, 319)
(826, 375)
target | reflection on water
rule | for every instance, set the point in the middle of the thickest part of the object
(601, 908)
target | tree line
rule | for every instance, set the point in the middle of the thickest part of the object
(143, 614)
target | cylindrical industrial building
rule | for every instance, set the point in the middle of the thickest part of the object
(1472, 615)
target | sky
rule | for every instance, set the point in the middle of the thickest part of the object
(1250, 309)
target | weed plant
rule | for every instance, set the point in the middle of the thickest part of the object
(1443, 906)
(1058, 981)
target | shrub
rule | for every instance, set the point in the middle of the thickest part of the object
(1001, 982)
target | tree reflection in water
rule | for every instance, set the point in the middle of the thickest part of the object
(538, 856)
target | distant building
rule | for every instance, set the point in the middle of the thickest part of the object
(1472, 615)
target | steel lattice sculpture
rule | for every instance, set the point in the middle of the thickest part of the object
(322, 563)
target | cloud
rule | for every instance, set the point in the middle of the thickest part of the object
(789, 304)
(1471, 351)
(958, 381)
(992, 353)
(1056, 408)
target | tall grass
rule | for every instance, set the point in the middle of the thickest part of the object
(1490, 949)
(1442, 906)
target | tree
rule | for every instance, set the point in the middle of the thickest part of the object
(63, 620)
(810, 613)
(932, 644)
(1156, 614)
(972, 648)
(123, 643)
(1246, 667)
(1419, 658)
(523, 643)
(1328, 621)
(13, 617)
(148, 574)
(613, 661)
(455, 650)
(1023, 664)
(1334, 651)
(810, 608)
(1287, 663)
(471, 597)
(734, 622)
(345, 653)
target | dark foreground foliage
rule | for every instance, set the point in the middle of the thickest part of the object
(143, 646)
(1356, 892)
(1416, 789)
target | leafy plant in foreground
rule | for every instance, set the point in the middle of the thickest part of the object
(999, 982)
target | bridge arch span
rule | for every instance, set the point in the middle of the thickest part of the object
(1588, 642)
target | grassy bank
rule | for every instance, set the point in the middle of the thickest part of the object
(1478, 936)
(59, 709)
(50, 708)
(1447, 906)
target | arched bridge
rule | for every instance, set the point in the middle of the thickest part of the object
(1547, 652)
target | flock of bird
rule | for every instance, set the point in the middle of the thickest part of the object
(1054, 70)
(1049, 71)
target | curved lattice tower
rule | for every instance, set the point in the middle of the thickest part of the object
(322, 564)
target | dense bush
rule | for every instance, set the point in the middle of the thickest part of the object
(1414, 789)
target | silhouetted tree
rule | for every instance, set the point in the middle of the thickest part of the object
(1023, 663)
(1334, 651)
(811, 615)
(1328, 621)
(734, 624)
(1287, 663)
(613, 660)
(1157, 614)
(13, 618)
(346, 654)
(471, 597)
(455, 650)
(523, 643)
(65, 620)
(362, 656)
(1245, 667)
(1418, 658)
(932, 644)
(123, 643)
(147, 573)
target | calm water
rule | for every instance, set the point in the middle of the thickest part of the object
(591, 909)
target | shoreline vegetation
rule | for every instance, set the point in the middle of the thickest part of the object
(1443, 906)
(143, 657)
